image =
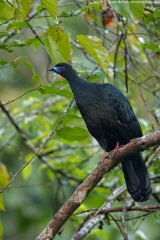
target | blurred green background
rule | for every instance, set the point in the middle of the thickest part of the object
(71, 153)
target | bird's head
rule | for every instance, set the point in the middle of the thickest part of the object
(64, 69)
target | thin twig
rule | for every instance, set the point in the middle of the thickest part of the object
(123, 222)
(14, 32)
(8, 142)
(38, 150)
(139, 87)
(116, 222)
(126, 63)
(34, 32)
(115, 57)
(12, 120)
(11, 101)
(143, 208)
(9, 3)
(118, 37)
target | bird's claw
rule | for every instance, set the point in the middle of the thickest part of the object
(111, 153)
(104, 157)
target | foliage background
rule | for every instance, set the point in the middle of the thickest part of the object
(29, 31)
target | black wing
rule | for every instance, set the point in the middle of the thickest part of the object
(124, 120)
(127, 124)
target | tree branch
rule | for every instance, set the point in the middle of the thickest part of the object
(133, 147)
(80, 232)
(96, 216)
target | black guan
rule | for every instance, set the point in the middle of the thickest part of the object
(110, 120)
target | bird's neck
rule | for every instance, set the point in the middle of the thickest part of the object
(77, 85)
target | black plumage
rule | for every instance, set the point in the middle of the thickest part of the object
(110, 120)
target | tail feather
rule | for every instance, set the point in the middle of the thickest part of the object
(137, 178)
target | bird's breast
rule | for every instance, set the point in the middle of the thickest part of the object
(97, 114)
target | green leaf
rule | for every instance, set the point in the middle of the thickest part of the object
(65, 93)
(17, 42)
(57, 45)
(39, 8)
(29, 65)
(26, 173)
(51, 6)
(130, 9)
(136, 9)
(156, 14)
(121, 7)
(90, 10)
(16, 25)
(50, 89)
(3, 63)
(151, 46)
(4, 179)
(36, 78)
(72, 134)
(149, 17)
(2, 207)
(1, 230)
(4, 176)
(6, 11)
(5, 47)
(50, 174)
(22, 9)
(56, 121)
(93, 45)
(97, 7)
(33, 41)
(2, 35)
(100, 234)
(71, 13)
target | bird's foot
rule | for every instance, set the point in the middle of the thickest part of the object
(102, 161)
(111, 153)
(103, 158)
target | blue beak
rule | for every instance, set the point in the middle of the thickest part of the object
(55, 69)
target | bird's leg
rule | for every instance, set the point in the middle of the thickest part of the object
(111, 153)
(114, 150)
(102, 161)
(103, 157)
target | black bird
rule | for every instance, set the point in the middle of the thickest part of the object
(110, 120)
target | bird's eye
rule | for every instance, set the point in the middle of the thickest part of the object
(62, 68)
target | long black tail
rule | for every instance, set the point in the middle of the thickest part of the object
(137, 178)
